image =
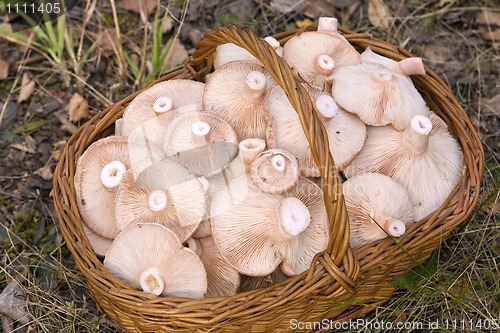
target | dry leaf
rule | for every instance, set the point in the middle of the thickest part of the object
(66, 125)
(304, 23)
(489, 25)
(27, 87)
(4, 69)
(491, 106)
(29, 145)
(318, 8)
(379, 14)
(176, 56)
(77, 107)
(45, 172)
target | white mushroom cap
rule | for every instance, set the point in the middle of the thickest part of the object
(313, 56)
(377, 95)
(254, 235)
(203, 142)
(408, 66)
(100, 245)
(146, 118)
(236, 93)
(377, 206)
(222, 279)
(166, 193)
(428, 165)
(248, 150)
(98, 173)
(151, 258)
(275, 171)
(229, 52)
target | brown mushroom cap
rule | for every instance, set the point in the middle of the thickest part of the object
(313, 56)
(424, 158)
(98, 174)
(222, 279)
(377, 206)
(256, 231)
(377, 95)
(275, 171)
(150, 257)
(203, 142)
(145, 119)
(408, 66)
(166, 193)
(236, 92)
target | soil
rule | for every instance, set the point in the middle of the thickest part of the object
(449, 35)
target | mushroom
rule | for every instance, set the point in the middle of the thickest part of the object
(248, 150)
(314, 55)
(377, 95)
(100, 245)
(408, 66)
(377, 206)
(229, 52)
(222, 279)
(151, 258)
(99, 171)
(236, 92)
(166, 193)
(425, 159)
(346, 132)
(203, 142)
(255, 231)
(148, 115)
(275, 171)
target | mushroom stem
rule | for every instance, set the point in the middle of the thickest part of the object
(326, 108)
(294, 217)
(249, 149)
(278, 163)
(411, 66)
(324, 64)
(327, 25)
(151, 281)
(382, 75)
(162, 105)
(200, 133)
(416, 137)
(157, 200)
(194, 245)
(256, 83)
(394, 227)
(111, 175)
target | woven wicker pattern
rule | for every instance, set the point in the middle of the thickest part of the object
(340, 284)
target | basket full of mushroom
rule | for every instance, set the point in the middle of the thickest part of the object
(269, 180)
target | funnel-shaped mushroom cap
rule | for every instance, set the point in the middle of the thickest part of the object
(406, 67)
(100, 245)
(151, 258)
(255, 231)
(248, 150)
(222, 279)
(203, 142)
(98, 174)
(424, 158)
(166, 193)
(236, 92)
(377, 206)
(377, 95)
(256, 282)
(313, 56)
(275, 171)
(147, 116)
(229, 52)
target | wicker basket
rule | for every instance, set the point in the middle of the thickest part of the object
(340, 284)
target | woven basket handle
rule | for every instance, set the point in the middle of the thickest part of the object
(314, 130)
